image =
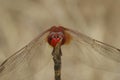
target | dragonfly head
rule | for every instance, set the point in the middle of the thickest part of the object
(56, 34)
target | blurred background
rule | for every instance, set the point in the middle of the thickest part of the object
(22, 20)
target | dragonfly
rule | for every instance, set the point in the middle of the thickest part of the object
(67, 48)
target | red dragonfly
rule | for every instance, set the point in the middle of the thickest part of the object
(69, 48)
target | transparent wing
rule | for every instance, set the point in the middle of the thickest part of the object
(98, 55)
(27, 62)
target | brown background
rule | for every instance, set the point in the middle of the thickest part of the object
(23, 20)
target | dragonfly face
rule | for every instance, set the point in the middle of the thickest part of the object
(56, 34)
